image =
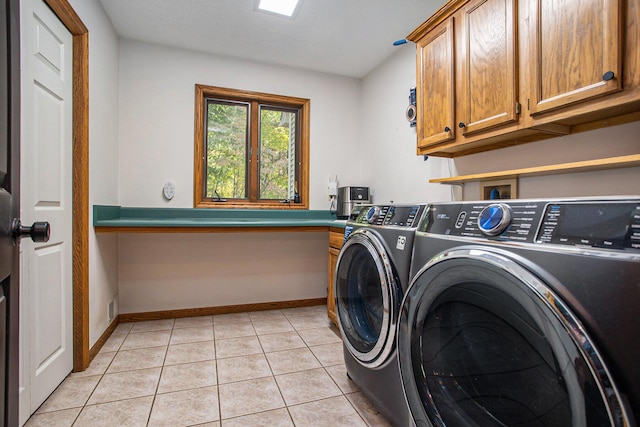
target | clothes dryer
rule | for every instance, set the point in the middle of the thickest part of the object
(524, 312)
(372, 274)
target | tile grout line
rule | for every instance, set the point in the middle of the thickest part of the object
(306, 345)
(286, 407)
(215, 355)
(75, 420)
(153, 400)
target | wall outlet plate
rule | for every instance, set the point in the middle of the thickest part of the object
(332, 188)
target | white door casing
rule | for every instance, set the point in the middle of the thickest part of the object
(46, 195)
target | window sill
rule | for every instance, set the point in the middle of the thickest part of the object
(206, 204)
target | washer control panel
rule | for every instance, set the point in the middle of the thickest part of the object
(406, 216)
(609, 224)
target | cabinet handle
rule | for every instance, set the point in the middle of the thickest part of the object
(609, 75)
(461, 125)
(447, 129)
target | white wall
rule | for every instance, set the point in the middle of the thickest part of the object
(103, 157)
(389, 161)
(156, 135)
(608, 142)
(178, 271)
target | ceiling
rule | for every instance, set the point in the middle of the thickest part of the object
(345, 37)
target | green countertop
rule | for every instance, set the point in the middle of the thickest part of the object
(111, 218)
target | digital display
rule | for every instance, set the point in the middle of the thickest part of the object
(403, 216)
(400, 214)
(438, 219)
(590, 223)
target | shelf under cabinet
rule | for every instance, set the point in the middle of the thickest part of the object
(582, 166)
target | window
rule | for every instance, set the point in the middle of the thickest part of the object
(251, 150)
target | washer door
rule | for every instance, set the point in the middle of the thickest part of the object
(483, 341)
(366, 298)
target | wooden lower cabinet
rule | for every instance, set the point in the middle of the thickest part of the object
(336, 236)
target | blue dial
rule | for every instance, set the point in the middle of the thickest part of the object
(372, 214)
(494, 219)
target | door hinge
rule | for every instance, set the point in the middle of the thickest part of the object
(528, 105)
(518, 108)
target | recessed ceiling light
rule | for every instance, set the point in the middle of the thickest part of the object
(279, 7)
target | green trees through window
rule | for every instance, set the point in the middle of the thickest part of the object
(227, 131)
(250, 149)
(277, 154)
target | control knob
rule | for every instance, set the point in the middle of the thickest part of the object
(494, 219)
(372, 214)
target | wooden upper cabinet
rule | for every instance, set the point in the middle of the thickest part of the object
(498, 73)
(467, 77)
(435, 91)
(576, 52)
(489, 92)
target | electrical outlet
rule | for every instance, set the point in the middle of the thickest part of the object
(332, 188)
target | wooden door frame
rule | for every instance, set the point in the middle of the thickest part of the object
(80, 185)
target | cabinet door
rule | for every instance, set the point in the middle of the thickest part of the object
(435, 86)
(488, 60)
(576, 51)
(331, 298)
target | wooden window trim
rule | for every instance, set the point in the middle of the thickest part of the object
(201, 94)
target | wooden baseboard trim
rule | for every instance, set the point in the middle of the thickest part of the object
(103, 339)
(206, 311)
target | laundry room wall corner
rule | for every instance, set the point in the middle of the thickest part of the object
(103, 157)
(390, 165)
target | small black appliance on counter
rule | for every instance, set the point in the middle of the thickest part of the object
(350, 196)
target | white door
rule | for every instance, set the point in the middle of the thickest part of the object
(46, 195)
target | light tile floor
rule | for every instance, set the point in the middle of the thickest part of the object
(267, 368)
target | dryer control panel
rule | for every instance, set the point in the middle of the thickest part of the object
(506, 221)
(600, 225)
(609, 223)
(406, 216)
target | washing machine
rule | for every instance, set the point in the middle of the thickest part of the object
(372, 274)
(524, 313)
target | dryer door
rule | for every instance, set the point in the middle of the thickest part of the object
(367, 300)
(483, 341)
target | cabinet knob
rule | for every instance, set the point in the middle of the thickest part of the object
(447, 129)
(609, 75)
(461, 125)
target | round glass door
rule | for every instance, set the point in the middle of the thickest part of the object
(366, 300)
(484, 342)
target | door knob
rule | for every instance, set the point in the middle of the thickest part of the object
(39, 231)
